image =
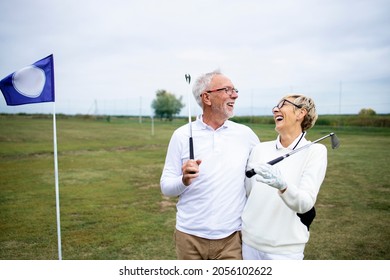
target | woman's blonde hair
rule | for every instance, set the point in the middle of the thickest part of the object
(308, 104)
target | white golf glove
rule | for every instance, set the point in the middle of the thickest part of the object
(270, 175)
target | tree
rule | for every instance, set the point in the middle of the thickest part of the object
(166, 105)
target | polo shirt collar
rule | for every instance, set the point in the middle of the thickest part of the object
(200, 122)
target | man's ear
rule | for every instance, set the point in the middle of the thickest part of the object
(206, 98)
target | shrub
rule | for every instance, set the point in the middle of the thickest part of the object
(367, 112)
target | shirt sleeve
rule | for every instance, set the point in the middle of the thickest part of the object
(302, 196)
(253, 142)
(171, 178)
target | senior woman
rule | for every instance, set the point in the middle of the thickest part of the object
(279, 194)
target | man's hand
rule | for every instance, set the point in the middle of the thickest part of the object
(190, 171)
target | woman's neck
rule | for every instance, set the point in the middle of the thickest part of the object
(287, 138)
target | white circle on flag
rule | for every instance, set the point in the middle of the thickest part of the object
(29, 81)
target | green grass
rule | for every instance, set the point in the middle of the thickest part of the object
(112, 206)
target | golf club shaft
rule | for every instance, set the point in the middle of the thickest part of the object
(191, 143)
(250, 173)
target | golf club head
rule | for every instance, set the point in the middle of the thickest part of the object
(335, 141)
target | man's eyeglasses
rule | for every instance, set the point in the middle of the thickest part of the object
(282, 103)
(227, 90)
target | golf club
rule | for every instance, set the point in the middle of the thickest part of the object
(188, 80)
(335, 144)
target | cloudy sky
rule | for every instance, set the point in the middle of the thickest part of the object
(112, 56)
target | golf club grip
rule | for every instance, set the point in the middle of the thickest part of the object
(191, 149)
(251, 173)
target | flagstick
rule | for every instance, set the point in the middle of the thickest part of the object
(152, 124)
(56, 182)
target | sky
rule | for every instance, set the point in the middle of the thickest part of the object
(110, 57)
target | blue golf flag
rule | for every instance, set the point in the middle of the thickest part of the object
(31, 84)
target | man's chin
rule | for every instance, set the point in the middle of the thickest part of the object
(230, 114)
